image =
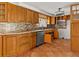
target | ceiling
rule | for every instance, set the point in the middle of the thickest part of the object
(50, 7)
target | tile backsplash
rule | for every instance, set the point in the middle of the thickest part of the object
(8, 27)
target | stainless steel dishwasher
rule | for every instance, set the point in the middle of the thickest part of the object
(40, 38)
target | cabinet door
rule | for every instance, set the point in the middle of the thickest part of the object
(33, 40)
(75, 43)
(23, 44)
(0, 45)
(56, 34)
(75, 36)
(75, 29)
(25, 15)
(12, 13)
(35, 18)
(47, 38)
(3, 11)
(15, 13)
(29, 16)
(21, 14)
(29, 37)
(9, 46)
(52, 20)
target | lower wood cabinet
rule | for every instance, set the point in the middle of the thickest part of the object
(56, 34)
(33, 39)
(23, 44)
(75, 43)
(75, 36)
(0, 46)
(75, 29)
(17, 45)
(48, 38)
(9, 45)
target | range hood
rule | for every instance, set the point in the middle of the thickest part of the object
(59, 12)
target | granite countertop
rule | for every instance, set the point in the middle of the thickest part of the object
(23, 32)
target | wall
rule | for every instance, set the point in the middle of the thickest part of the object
(65, 32)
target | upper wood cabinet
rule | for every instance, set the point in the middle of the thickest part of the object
(29, 16)
(32, 17)
(48, 20)
(3, 11)
(35, 18)
(65, 17)
(12, 13)
(16, 13)
(20, 14)
(25, 14)
(52, 20)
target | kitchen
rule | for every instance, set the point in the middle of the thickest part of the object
(26, 27)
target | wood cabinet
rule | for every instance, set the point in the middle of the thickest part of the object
(12, 13)
(65, 17)
(9, 45)
(48, 20)
(25, 15)
(33, 39)
(21, 14)
(32, 17)
(75, 36)
(52, 20)
(23, 44)
(17, 45)
(48, 38)
(56, 34)
(3, 11)
(75, 43)
(35, 18)
(29, 16)
(75, 28)
(16, 13)
(1, 46)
